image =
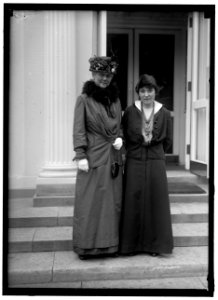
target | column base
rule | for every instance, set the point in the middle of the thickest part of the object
(55, 190)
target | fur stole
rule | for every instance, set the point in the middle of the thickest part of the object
(105, 96)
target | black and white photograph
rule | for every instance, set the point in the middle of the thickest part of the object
(108, 149)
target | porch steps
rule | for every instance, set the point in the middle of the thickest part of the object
(189, 212)
(39, 239)
(186, 268)
(40, 248)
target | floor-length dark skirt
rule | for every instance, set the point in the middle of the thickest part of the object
(97, 209)
(145, 220)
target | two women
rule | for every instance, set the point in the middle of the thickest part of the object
(145, 225)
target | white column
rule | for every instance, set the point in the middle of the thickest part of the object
(102, 33)
(60, 92)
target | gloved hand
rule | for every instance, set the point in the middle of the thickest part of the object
(118, 143)
(83, 165)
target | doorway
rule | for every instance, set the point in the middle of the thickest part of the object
(161, 53)
(120, 44)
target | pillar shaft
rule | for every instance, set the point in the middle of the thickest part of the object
(58, 174)
(60, 86)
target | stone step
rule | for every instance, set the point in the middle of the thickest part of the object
(63, 216)
(53, 201)
(192, 283)
(41, 216)
(39, 239)
(188, 198)
(174, 175)
(36, 239)
(195, 212)
(182, 175)
(186, 267)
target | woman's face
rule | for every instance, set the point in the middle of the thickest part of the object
(102, 79)
(147, 94)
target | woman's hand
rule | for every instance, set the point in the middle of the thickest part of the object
(83, 165)
(118, 143)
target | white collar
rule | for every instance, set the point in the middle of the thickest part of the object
(157, 105)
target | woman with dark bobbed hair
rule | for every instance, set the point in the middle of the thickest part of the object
(146, 221)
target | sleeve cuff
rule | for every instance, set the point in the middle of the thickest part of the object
(79, 155)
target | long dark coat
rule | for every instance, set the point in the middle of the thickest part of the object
(146, 221)
(98, 196)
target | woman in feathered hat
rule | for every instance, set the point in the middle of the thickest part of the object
(146, 221)
(97, 142)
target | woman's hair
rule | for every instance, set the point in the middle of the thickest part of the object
(146, 80)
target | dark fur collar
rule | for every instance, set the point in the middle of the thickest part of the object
(105, 96)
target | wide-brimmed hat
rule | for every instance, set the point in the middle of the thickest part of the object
(147, 80)
(103, 64)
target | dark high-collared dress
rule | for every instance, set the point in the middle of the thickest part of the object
(146, 220)
(98, 196)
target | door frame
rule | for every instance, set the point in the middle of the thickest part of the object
(179, 94)
(193, 102)
(179, 89)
